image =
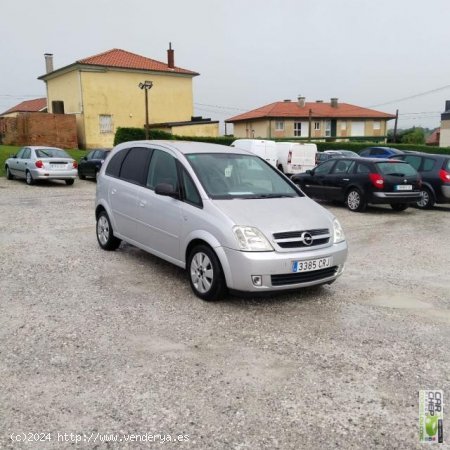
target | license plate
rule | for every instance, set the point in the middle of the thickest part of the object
(58, 166)
(403, 187)
(311, 264)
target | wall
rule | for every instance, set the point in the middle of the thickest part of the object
(202, 129)
(57, 130)
(260, 129)
(444, 140)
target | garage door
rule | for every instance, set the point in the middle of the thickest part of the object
(357, 128)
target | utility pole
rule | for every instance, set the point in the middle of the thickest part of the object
(395, 127)
(146, 86)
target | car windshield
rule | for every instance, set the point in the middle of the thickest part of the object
(230, 175)
(51, 153)
(396, 168)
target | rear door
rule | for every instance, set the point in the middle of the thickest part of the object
(339, 178)
(316, 184)
(24, 162)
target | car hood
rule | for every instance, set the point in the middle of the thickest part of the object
(277, 215)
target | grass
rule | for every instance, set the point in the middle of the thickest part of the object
(7, 150)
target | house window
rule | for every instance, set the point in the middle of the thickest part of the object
(343, 125)
(317, 125)
(106, 125)
(279, 125)
(297, 129)
(377, 124)
(328, 128)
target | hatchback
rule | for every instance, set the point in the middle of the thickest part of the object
(359, 181)
(226, 215)
(90, 165)
(435, 173)
(41, 163)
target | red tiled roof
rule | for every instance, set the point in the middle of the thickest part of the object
(433, 138)
(325, 110)
(127, 60)
(35, 105)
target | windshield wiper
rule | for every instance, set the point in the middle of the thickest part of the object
(267, 196)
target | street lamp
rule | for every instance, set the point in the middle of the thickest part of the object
(146, 85)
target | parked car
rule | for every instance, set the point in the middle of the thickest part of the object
(41, 163)
(380, 152)
(204, 207)
(329, 154)
(263, 148)
(435, 173)
(360, 181)
(90, 165)
(295, 157)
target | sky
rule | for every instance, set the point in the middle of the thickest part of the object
(370, 53)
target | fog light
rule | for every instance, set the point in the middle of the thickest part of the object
(257, 280)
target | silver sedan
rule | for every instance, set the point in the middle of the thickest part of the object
(41, 163)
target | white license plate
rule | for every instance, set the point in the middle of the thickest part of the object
(403, 187)
(311, 264)
(58, 166)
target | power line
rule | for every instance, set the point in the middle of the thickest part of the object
(421, 94)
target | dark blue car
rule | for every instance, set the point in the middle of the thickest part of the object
(380, 152)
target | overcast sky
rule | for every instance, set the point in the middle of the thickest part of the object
(249, 52)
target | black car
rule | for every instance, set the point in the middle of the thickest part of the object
(435, 173)
(359, 181)
(380, 152)
(90, 165)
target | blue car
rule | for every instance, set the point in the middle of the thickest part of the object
(380, 152)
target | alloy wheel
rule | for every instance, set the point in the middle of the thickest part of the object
(202, 273)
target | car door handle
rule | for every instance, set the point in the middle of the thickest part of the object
(142, 203)
(345, 179)
(113, 191)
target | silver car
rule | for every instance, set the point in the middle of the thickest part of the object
(224, 214)
(41, 163)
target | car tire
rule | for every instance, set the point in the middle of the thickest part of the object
(29, 178)
(9, 175)
(399, 206)
(355, 201)
(205, 274)
(69, 182)
(105, 235)
(427, 201)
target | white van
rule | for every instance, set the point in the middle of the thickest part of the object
(264, 149)
(295, 157)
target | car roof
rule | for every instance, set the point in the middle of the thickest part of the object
(40, 147)
(414, 152)
(367, 159)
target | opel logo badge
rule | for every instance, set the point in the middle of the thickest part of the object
(307, 238)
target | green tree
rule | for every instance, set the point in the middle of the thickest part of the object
(413, 136)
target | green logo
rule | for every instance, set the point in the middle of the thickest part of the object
(431, 425)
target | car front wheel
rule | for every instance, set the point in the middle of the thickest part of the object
(205, 274)
(427, 200)
(105, 236)
(355, 201)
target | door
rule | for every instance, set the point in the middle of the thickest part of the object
(85, 167)
(316, 184)
(159, 216)
(339, 179)
(24, 162)
(15, 164)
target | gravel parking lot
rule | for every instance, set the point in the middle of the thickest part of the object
(95, 343)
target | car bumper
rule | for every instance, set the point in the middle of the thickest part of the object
(396, 197)
(445, 189)
(275, 268)
(43, 174)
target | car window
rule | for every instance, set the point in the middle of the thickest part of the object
(134, 165)
(396, 168)
(162, 169)
(427, 165)
(26, 154)
(413, 160)
(324, 168)
(447, 166)
(20, 153)
(90, 155)
(190, 192)
(362, 168)
(99, 154)
(377, 151)
(115, 164)
(342, 166)
(51, 153)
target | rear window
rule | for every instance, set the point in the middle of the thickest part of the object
(115, 164)
(134, 166)
(51, 153)
(447, 166)
(396, 168)
(428, 164)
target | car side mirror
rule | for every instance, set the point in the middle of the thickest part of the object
(166, 189)
(84, 158)
(310, 172)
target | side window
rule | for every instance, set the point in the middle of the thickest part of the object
(362, 168)
(324, 168)
(190, 192)
(162, 169)
(20, 154)
(377, 151)
(90, 155)
(134, 165)
(98, 154)
(342, 166)
(427, 165)
(26, 154)
(413, 161)
(115, 164)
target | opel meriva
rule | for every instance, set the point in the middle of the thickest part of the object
(224, 214)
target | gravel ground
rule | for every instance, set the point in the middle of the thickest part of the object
(95, 343)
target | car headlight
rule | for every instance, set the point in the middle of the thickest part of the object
(250, 239)
(338, 232)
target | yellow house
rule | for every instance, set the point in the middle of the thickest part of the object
(104, 92)
(311, 120)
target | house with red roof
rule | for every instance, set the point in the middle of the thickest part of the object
(35, 105)
(105, 92)
(311, 120)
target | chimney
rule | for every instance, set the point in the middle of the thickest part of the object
(287, 100)
(301, 101)
(334, 102)
(170, 57)
(447, 106)
(319, 101)
(48, 62)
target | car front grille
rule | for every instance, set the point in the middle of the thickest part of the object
(294, 278)
(294, 239)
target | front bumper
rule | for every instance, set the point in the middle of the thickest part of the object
(44, 174)
(275, 268)
(396, 197)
